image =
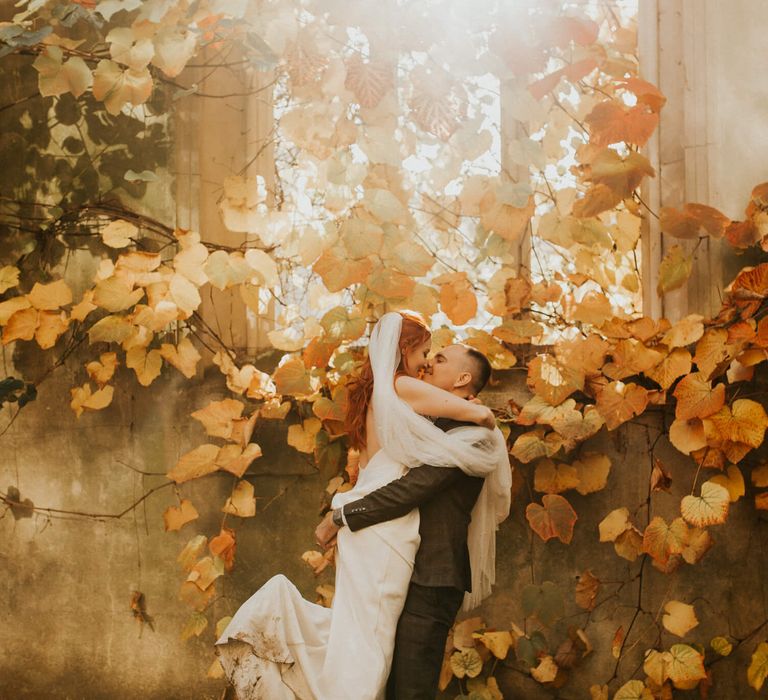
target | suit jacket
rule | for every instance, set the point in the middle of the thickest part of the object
(445, 497)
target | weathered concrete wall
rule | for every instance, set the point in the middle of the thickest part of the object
(67, 631)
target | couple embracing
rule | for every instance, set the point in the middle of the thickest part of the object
(415, 536)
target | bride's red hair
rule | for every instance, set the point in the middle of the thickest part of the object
(413, 332)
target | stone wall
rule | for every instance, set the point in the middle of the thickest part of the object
(67, 631)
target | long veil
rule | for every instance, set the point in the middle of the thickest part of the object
(412, 439)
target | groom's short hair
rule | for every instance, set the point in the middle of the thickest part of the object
(480, 368)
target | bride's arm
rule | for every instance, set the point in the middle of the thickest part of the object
(430, 400)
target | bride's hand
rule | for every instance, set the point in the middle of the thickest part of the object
(485, 416)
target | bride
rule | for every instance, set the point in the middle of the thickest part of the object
(279, 646)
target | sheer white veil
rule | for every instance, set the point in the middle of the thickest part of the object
(413, 440)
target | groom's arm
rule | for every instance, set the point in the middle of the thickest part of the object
(399, 497)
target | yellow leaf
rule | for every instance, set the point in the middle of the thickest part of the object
(758, 667)
(721, 646)
(103, 370)
(498, 643)
(49, 297)
(242, 502)
(21, 326)
(302, 435)
(674, 270)
(195, 463)
(710, 508)
(195, 626)
(206, 571)
(221, 625)
(497, 354)
(116, 294)
(192, 550)
(274, 410)
(613, 524)
(51, 324)
(235, 460)
(674, 365)
(184, 357)
(11, 306)
(146, 365)
(686, 666)
(661, 540)
(9, 277)
(546, 671)
(554, 478)
(687, 435)
(679, 618)
(697, 398)
(686, 331)
(292, 378)
(173, 49)
(111, 329)
(176, 517)
(56, 76)
(117, 87)
(217, 416)
(733, 480)
(184, 294)
(82, 398)
(119, 233)
(466, 663)
(225, 270)
(84, 307)
(633, 690)
(745, 421)
(592, 471)
(656, 665)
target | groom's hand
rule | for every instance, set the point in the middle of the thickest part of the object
(325, 532)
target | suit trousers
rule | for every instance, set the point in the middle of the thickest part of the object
(422, 630)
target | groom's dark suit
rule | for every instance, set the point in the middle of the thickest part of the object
(445, 497)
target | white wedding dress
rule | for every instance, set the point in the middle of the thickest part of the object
(279, 646)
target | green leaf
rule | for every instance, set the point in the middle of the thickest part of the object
(545, 601)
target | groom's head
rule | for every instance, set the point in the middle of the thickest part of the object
(459, 369)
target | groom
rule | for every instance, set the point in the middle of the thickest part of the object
(445, 497)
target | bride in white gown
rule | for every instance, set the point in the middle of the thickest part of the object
(279, 646)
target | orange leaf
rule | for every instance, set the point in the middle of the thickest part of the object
(555, 518)
(457, 298)
(646, 93)
(693, 221)
(661, 540)
(390, 284)
(223, 546)
(697, 398)
(242, 502)
(554, 478)
(610, 123)
(370, 81)
(49, 297)
(21, 325)
(622, 175)
(292, 378)
(51, 324)
(176, 517)
(217, 416)
(745, 422)
(711, 350)
(674, 365)
(338, 273)
(618, 402)
(553, 380)
(195, 463)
